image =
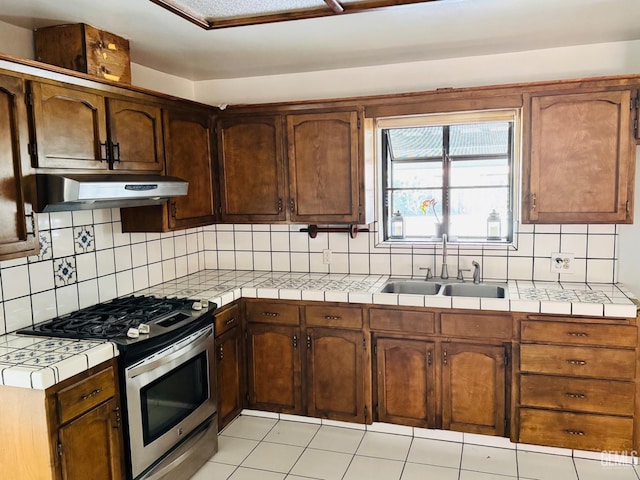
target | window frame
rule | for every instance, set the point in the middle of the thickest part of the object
(447, 119)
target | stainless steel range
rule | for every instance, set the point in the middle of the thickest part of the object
(167, 377)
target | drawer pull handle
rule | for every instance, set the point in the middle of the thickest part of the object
(270, 314)
(332, 317)
(230, 321)
(576, 362)
(91, 394)
(579, 433)
(581, 396)
(577, 334)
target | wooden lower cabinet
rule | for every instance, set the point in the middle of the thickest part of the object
(229, 365)
(474, 388)
(406, 382)
(335, 374)
(273, 368)
(71, 431)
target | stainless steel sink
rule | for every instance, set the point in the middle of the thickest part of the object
(474, 290)
(415, 287)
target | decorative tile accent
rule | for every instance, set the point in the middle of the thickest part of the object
(64, 270)
(45, 247)
(84, 239)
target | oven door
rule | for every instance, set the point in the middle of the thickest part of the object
(169, 394)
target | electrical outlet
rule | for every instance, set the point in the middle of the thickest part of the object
(326, 257)
(562, 262)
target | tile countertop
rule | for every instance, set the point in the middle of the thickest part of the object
(38, 362)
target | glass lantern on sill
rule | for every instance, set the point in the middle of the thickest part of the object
(397, 225)
(494, 226)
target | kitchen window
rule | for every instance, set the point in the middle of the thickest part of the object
(450, 174)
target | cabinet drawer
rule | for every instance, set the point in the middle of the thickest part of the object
(227, 319)
(273, 312)
(578, 361)
(402, 321)
(578, 394)
(579, 333)
(86, 394)
(492, 326)
(328, 316)
(576, 430)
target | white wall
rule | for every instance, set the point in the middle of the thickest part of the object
(16, 41)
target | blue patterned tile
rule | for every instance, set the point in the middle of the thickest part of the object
(64, 270)
(45, 247)
(84, 239)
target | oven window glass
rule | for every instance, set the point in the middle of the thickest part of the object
(172, 397)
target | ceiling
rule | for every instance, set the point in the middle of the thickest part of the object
(403, 33)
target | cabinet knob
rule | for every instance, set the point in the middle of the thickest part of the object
(580, 396)
(576, 362)
(579, 433)
(104, 152)
(444, 357)
(279, 205)
(309, 342)
(292, 205)
(91, 394)
(429, 358)
(220, 352)
(534, 203)
(295, 341)
(230, 321)
(174, 210)
(332, 317)
(270, 314)
(577, 334)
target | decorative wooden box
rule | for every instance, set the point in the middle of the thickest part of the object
(85, 49)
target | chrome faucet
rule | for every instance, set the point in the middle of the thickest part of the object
(476, 272)
(444, 273)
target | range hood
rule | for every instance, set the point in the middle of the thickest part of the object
(62, 192)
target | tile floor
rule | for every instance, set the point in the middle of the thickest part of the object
(257, 448)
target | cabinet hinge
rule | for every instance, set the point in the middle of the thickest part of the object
(377, 410)
(366, 412)
(506, 359)
(246, 397)
(375, 349)
(364, 344)
(32, 148)
(28, 99)
(359, 122)
(59, 449)
(627, 206)
(506, 425)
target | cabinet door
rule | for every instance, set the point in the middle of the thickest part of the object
(406, 381)
(473, 388)
(230, 375)
(70, 127)
(579, 166)
(273, 368)
(188, 140)
(323, 156)
(251, 169)
(17, 236)
(335, 374)
(90, 446)
(135, 131)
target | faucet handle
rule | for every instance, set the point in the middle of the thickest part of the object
(429, 275)
(461, 275)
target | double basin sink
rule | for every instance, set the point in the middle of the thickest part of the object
(444, 288)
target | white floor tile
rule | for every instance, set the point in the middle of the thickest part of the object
(594, 470)
(384, 445)
(214, 471)
(322, 464)
(469, 475)
(252, 474)
(541, 466)
(365, 468)
(232, 450)
(273, 457)
(252, 428)
(337, 439)
(499, 461)
(416, 471)
(292, 433)
(435, 452)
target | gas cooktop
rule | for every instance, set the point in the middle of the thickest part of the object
(125, 320)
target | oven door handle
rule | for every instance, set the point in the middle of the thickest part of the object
(192, 345)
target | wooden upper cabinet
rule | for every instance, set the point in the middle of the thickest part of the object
(474, 388)
(323, 156)
(70, 127)
(135, 133)
(579, 157)
(250, 154)
(188, 144)
(17, 235)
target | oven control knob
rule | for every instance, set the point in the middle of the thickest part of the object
(143, 328)
(133, 333)
(196, 306)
